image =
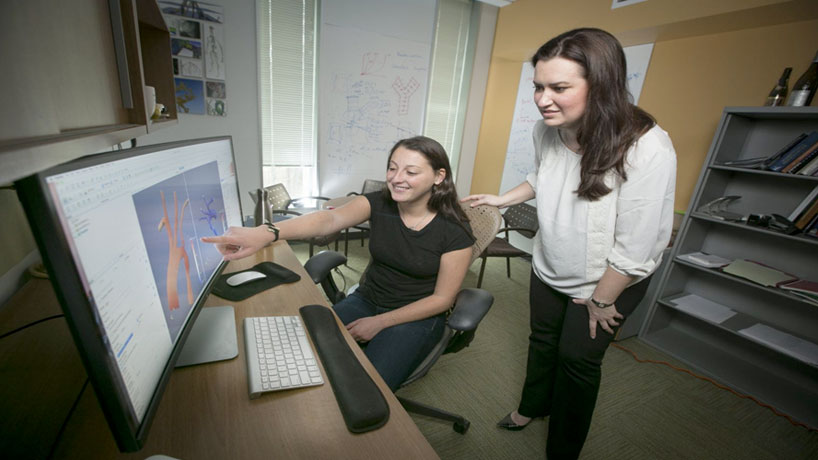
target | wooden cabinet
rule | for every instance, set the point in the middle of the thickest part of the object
(64, 78)
(722, 349)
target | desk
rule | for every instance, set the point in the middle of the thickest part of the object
(206, 411)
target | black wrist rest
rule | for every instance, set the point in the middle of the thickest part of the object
(361, 402)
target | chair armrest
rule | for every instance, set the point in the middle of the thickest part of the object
(286, 212)
(522, 230)
(320, 265)
(301, 198)
(470, 307)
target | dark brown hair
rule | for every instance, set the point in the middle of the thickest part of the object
(444, 195)
(611, 124)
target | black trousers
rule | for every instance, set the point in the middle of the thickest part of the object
(565, 365)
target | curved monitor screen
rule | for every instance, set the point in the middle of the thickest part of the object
(120, 233)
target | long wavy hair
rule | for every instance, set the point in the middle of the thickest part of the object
(444, 195)
(611, 124)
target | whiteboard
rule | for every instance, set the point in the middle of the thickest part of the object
(520, 151)
(373, 79)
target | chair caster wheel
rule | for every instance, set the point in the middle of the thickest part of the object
(461, 427)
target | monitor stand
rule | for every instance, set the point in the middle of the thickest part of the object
(213, 338)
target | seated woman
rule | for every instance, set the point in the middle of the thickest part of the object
(420, 243)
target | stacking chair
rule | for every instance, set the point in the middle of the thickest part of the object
(370, 185)
(469, 308)
(521, 218)
(281, 207)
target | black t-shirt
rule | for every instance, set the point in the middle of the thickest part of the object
(405, 262)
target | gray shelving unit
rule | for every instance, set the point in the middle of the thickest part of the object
(719, 350)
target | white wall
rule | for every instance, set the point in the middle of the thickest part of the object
(242, 118)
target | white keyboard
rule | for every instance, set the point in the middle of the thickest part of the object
(279, 355)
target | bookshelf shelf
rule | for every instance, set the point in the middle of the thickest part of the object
(732, 326)
(744, 363)
(750, 228)
(779, 175)
(742, 281)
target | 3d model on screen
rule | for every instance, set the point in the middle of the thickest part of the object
(176, 252)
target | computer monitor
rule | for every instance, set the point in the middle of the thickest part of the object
(119, 233)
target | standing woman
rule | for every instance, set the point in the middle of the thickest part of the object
(604, 186)
(420, 242)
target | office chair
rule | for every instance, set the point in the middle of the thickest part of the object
(281, 207)
(521, 218)
(469, 308)
(370, 185)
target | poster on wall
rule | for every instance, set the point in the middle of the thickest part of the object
(189, 96)
(197, 48)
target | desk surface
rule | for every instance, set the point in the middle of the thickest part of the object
(206, 411)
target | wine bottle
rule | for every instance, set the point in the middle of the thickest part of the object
(804, 88)
(779, 92)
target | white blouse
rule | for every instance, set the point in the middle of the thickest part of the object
(627, 229)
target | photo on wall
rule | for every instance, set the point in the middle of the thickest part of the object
(195, 10)
(190, 67)
(184, 28)
(214, 47)
(189, 96)
(186, 48)
(216, 107)
(198, 53)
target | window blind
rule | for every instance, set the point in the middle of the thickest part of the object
(452, 58)
(286, 48)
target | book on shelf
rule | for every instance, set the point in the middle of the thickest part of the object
(806, 217)
(805, 286)
(804, 289)
(799, 162)
(809, 169)
(793, 153)
(812, 230)
(774, 157)
(802, 206)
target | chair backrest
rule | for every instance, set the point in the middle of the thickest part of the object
(277, 197)
(521, 216)
(372, 185)
(485, 221)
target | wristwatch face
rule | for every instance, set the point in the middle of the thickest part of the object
(600, 304)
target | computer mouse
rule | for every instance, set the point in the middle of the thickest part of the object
(244, 277)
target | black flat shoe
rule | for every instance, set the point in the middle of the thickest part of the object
(508, 424)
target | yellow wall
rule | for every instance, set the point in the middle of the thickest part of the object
(707, 55)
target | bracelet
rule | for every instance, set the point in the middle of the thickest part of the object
(272, 229)
(601, 304)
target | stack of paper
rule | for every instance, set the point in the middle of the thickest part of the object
(704, 259)
(703, 308)
(785, 343)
